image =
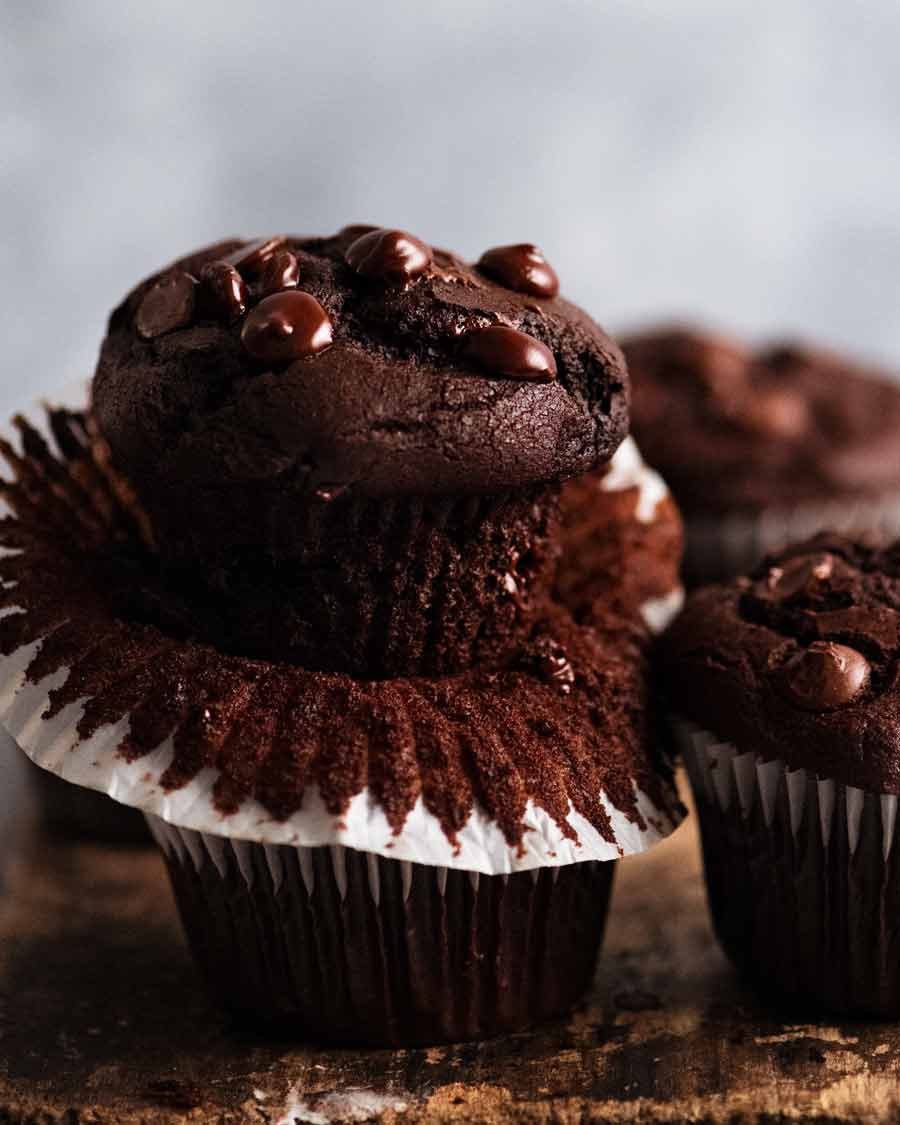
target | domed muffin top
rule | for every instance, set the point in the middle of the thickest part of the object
(734, 429)
(799, 661)
(368, 359)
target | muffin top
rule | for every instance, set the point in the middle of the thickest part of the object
(368, 359)
(799, 661)
(734, 429)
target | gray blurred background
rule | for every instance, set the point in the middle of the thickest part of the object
(737, 163)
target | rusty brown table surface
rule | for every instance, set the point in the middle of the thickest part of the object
(103, 1019)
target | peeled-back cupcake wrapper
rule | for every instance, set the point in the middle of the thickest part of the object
(357, 947)
(94, 762)
(803, 877)
(735, 544)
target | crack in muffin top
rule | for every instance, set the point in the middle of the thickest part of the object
(367, 359)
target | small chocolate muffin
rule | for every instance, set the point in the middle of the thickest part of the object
(351, 447)
(763, 448)
(622, 541)
(785, 689)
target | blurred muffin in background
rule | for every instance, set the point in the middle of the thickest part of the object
(765, 447)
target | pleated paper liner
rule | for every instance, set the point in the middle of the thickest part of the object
(336, 945)
(803, 879)
(622, 541)
(723, 547)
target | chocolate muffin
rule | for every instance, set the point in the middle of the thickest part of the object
(763, 448)
(351, 447)
(389, 772)
(785, 689)
(622, 542)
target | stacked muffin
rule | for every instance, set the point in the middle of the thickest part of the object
(290, 587)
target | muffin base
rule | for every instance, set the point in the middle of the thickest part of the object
(803, 879)
(342, 946)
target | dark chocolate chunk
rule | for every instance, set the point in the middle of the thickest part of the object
(167, 305)
(281, 271)
(286, 326)
(223, 291)
(506, 351)
(251, 258)
(824, 676)
(555, 668)
(389, 255)
(521, 267)
(803, 576)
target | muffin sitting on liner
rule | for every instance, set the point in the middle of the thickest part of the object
(763, 448)
(786, 702)
(314, 637)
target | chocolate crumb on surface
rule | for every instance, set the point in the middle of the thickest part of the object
(499, 736)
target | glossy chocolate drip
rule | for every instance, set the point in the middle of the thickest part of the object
(391, 256)
(286, 326)
(506, 351)
(223, 292)
(521, 267)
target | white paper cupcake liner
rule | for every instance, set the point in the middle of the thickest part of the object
(55, 744)
(803, 877)
(732, 545)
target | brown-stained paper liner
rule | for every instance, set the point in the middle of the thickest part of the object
(627, 471)
(803, 877)
(731, 545)
(348, 947)
(94, 762)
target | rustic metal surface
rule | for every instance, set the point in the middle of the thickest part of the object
(102, 1020)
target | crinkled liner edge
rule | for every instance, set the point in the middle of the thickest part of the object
(183, 845)
(55, 745)
(722, 774)
(735, 544)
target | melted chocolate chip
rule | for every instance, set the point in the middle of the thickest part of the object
(353, 231)
(554, 667)
(824, 676)
(281, 271)
(521, 267)
(389, 255)
(286, 326)
(167, 305)
(251, 258)
(804, 576)
(223, 291)
(506, 351)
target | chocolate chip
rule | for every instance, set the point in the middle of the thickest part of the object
(251, 258)
(167, 305)
(223, 291)
(286, 326)
(506, 351)
(281, 271)
(521, 267)
(824, 676)
(389, 255)
(353, 231)
(803, 576)
(554, 667)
